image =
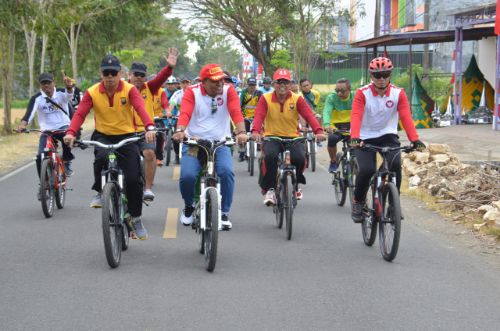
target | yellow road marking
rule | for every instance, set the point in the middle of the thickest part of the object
(176, 173)
(170, 231)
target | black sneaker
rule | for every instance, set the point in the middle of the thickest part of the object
(226, 223)
(187, 215)
(241, 157)
(177, 161)
(357, 214)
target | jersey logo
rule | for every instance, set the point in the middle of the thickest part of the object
(389, 104)
(220, 101)
(123, 101)
(292, 107)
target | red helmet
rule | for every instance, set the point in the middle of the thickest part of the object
(380, 64)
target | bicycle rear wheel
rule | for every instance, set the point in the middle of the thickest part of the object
(339, 181)
(211, 232)
(60, 190)
(168, 147)
(288, 206)
(369, 224)
(47, 188)
(251, 157)
(390, 223)
(312, 154)
(351, 176)
(111, 226)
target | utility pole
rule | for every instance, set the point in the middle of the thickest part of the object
(425, 57)
(376, 28)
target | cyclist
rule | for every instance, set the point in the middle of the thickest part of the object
(311, 96)
(171, 86)
(376, 110)
(337, 115)
(206, 111)
(160, 104)
(266, 85)
(52, 106)
(173, 109)
(294, 87)
(248, 101)
(114, 102)
(149, 91)
(279, 112)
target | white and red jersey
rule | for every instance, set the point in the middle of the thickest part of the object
(209, 118)
(373, 115)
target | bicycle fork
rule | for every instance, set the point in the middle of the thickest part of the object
(203, 205)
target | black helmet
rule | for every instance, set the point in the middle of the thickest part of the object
(267, 80)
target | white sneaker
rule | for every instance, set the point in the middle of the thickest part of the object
(270, 198)
(148, 195)
(226, 223)
(187, 216)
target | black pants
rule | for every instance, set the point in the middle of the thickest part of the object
(367, 164)
(129, 161)
(269, 165)
(160, 141)
(334, 138)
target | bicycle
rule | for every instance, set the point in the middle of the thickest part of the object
(384, 206)
(207, 212)
(345, 177)
(53, 177)
(250, 150)
(310, 149)
(286, 184)
(169, 125)
(115, 217)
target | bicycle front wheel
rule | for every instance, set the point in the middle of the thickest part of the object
(390, 222)
(168, 147)
(47, 188)
(369, 224)
(111, 225)
(288, 206)
(211, 232)
(351, 176)
(60, 186)
(339, 182)
(251, 157)
(312, 154)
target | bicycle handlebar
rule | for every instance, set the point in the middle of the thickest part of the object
(112, 146)
(214, 143)
(285, 140)
(40, 130)
(385, 149)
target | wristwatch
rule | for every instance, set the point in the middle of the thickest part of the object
(179, 130)
(150, 128)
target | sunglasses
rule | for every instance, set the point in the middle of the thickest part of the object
(106, 73)
(283, 82)
(213, 106)
(340, 91)
(139, 74)
(378, 75)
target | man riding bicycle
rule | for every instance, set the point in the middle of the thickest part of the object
(337, 115)
(248, 101)
(148, 91)
(279, 113)
(115, 102)
(52, 106)
(206, 111)
(376, 111)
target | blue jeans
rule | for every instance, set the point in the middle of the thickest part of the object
(190, 168)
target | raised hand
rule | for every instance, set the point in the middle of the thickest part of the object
(171, 57)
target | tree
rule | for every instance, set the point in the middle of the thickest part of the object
(216, 49)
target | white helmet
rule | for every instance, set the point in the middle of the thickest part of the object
(171, 80)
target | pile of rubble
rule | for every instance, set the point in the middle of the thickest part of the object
(468, 189)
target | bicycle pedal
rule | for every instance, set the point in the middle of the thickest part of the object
(146, 202)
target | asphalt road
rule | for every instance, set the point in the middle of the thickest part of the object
(54, 276)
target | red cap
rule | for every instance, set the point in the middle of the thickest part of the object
(212, 71)
(282, 74)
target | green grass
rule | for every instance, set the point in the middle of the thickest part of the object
(17, 103)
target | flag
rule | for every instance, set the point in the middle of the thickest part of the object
(453, 59)
(497, 19)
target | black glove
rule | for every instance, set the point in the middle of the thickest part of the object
(418, 145)
(354, 142)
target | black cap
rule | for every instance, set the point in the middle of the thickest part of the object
(45, 77)
(110, 62)
(251, 81)
(267, 80)
(139, 67)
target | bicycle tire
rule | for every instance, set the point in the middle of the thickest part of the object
(312, 154)
(47, 188)
(168, 147)
(278, 207)
(390, 224)
(211, 234)
(251, 157)
(60, 191)
(125, 233)
(369, 224)
(351, 177)
(111, 227)
(289, 206)
(339, 182)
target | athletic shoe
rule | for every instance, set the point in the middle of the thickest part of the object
(96, 201)
(226, 223)
(270, 198)
(241, 157)
(139, 229)
(159, 163)
(148, 195)
(187, 215)
(177, 161)
(298, 194)
(333, 167)
(357, 214)
(67, 168)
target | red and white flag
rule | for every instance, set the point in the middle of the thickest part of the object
(453, 59)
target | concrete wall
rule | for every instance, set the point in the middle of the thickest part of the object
(486, 58)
